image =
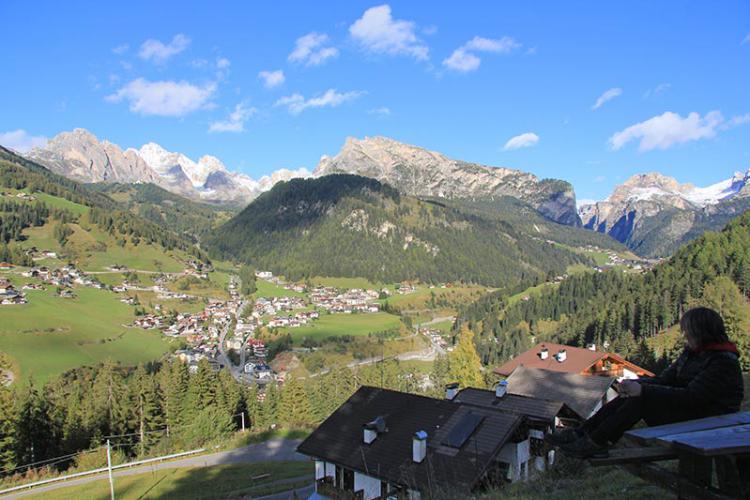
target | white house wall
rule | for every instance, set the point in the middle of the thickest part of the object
(369, 485)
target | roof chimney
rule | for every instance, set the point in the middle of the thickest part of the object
(544, 353)
(501, 388)
(419, 446)
(561, 355)
(451, 390)
(372, 429)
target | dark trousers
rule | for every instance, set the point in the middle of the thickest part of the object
(621, 414)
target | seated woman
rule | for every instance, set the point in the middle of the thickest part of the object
(705, 380)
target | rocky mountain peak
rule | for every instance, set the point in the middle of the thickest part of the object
(653, 212)
(420, 172)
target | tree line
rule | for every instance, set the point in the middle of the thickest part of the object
(625, 310)
(160, 408)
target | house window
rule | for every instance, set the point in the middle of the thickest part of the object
(348, 480)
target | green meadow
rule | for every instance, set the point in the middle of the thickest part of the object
(329, 325)
(51, 335)
(268, 289)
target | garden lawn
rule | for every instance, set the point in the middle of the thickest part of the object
(51, 335)
(345, 324)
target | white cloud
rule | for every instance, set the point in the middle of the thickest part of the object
(464, 59)
(158, 52)
(236, 120)
(746, 39)
(296, 103)
(21, 141)
(608, 95)
(376, 31)
(313, 49)
(525, 140)
(381, 111)
(504, 45)
(223, 63)
(599, 178)
(659, 89)
(121, 49)
(668, 129)
(736, 120)
(164, 98)
(272, 79)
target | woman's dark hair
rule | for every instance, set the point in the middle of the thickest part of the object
(704, 325)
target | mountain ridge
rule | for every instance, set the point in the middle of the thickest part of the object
(418, 171)
(653, 213)
(81, 156)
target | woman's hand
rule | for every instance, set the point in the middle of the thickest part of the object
(629, 388)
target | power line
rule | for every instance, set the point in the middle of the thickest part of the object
(51, 461)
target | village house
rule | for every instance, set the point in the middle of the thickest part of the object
(576, 360)
(582, 394)
(382, 442)
(9, 295)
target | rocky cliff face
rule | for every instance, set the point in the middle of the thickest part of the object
(653, 213)
(79, 155)
(419, 172)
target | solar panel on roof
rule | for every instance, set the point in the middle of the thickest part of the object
(463, 430)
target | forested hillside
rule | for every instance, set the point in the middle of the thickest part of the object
(629, 313)
(189, 218)
(346, 225)
(29, 180)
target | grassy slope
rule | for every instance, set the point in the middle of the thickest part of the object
(50, 335)
(222, 481)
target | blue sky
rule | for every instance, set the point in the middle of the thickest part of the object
(590, 92)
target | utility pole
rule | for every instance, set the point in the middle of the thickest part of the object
(109, 467)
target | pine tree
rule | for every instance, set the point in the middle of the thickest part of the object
(202, 388)
(110, 400)
(146, 400)
(295, 409)
(7, 431)
(34, 434)
(173, 382)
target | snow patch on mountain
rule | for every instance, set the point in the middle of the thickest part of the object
(81, 156)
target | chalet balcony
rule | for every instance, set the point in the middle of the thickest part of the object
(613, 372)
(324, 486)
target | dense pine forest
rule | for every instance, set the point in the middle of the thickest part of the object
(346, 225)
(622, 310)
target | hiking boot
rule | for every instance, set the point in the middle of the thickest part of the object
(585, 447)
(562, 437)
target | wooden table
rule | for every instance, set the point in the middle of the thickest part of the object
(697, 444)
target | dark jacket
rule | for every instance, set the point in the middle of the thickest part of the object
(698, 384)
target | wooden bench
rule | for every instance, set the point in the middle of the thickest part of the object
(698, 445)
